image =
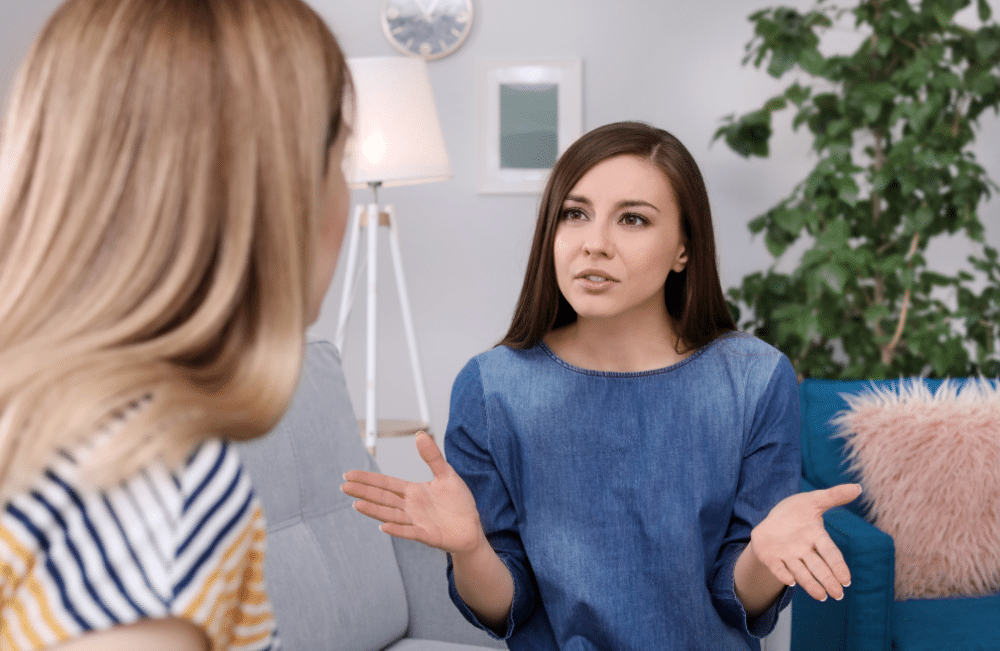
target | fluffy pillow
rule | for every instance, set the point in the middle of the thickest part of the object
(930, 468)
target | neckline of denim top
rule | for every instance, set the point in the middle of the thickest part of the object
(627, 374)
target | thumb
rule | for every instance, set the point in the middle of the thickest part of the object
(431, 455)
(837, 495)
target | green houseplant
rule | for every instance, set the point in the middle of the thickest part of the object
(892, 124)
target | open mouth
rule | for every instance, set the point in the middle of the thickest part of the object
(595, 276)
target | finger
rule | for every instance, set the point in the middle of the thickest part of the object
(806, 580)
(377, 480)
(408, 531)
(836, 496)
(780, 572)
(431, 455)
(373, 495)
(382, 513)
(824, 575)
(829, 552)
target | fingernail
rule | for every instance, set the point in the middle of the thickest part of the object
(847, 585)
(823, 599)
(840, 598)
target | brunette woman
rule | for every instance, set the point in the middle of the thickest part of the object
(622, 467)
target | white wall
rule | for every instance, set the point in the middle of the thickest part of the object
(673, 64)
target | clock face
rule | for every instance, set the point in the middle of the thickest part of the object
(428, 28)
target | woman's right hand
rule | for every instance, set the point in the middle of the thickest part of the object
(440, 513)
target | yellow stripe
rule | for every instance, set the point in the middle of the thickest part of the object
(8, 641)
(26, 627)
(247, 591)
(238, 641)
(213, 578)
(236, 617)
(33, 586)
(15, 545)
(43, 604)
(31, 583)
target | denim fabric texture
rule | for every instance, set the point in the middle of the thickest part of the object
(621, 501)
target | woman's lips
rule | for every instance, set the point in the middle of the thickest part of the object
(595, 280)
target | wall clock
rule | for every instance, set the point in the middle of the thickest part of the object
(427, 28)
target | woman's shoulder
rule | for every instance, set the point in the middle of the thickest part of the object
(744, 357)
(504, 361)
(218, 577)
(743, 345)
(158, 544)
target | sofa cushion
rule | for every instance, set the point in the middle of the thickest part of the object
(413, 644)
(955, 624)
(824, 460)
(930, 466)
(332, 575)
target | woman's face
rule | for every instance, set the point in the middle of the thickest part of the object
(619, 236)
(335, 199)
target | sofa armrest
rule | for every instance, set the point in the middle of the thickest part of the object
(863, 619)
(432, 614)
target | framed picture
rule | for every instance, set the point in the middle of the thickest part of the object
(529, 113)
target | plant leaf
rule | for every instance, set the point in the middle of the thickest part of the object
(834, 276)
(984, 10)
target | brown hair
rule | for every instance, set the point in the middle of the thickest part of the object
(161, 169)
(694, 296)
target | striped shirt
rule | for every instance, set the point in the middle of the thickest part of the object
(188, 544)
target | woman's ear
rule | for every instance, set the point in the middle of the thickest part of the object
(681, 260)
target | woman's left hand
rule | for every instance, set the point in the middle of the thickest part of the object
(793, 544)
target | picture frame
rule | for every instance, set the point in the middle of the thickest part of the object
(530, 111)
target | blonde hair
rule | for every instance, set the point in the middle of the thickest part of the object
(161, 164)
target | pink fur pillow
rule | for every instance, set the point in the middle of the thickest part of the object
(930, 468)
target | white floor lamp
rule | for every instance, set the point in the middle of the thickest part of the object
(397, 141)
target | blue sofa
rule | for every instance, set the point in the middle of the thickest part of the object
(869, 618)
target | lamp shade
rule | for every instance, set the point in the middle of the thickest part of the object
(396, 132)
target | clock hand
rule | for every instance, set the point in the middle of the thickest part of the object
(423, 10)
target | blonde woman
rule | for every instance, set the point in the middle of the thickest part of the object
(171, 209)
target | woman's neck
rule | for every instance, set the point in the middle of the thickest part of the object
(624, 345)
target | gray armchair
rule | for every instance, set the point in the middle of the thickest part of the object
(336, 581)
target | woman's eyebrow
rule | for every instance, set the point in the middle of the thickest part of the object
(632, 203)
(624, 203)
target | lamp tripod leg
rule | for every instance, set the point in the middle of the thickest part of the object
(404, 308)
(371, 421)
(351, 270)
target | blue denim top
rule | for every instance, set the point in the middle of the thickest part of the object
(621, 501)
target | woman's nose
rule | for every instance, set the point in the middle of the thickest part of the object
(597, 240)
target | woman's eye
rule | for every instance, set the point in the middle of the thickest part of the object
(573, 214)
(632, 219)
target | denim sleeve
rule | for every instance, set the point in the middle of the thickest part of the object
(467, 449)
(771, 471)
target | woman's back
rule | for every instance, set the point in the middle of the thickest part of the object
(186, 544)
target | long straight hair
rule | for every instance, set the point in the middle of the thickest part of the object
(693, 297)
(161, 165)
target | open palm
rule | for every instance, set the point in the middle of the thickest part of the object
(793, 543)
(440, 512)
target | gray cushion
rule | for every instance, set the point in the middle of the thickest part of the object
(432, 615)
(332, 575)
(415, 644)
